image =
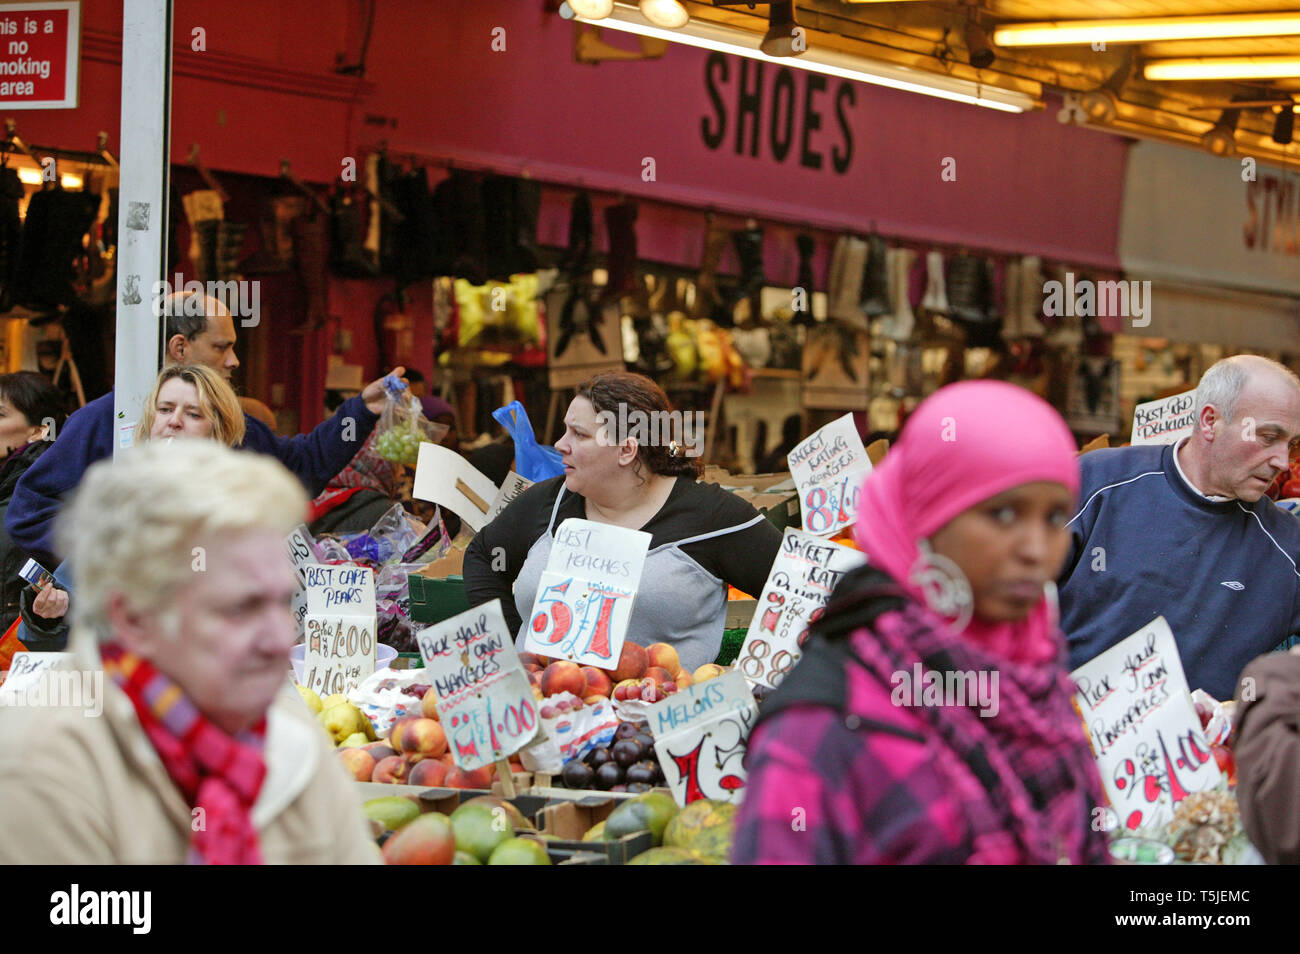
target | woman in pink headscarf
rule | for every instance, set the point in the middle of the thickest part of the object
(929, 719)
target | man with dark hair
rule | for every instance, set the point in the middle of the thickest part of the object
(206, 338)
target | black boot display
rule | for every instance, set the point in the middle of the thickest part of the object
(578, 254)
(875, 279)
(807, 246)
(620, 224)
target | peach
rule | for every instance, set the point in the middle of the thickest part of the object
(430, 773)
(359, 763)
(534, 678)
(563, 677)
(707, 671)
(598, 682)
(632, 662)
(379, 750)
(429, 705)
(446, 759)
(532, 659)
(684, 679)
(423, 739)
(391, 770)
(533, 668)
(658, 674)
(479, 778)
(538, 694)
(665, 655)
(395, 734)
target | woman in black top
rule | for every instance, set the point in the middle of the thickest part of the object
(702, 537)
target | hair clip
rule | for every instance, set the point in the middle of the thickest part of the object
(673, 448)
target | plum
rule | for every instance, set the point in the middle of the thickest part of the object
(626, 730)
(578, 774)
(643, 772)
(599, 757)
(626, 752)
(609, 775)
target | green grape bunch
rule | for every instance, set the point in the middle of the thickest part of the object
(401, 443)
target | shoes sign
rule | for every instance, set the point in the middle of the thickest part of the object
(485, 702)
(339, 627)
(700, 734)
(828, 468)
(803, 575)
(1146, 737)
(584, 598)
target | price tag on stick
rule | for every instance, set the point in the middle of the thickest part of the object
(585, 594)
(828, 469)
(485, 702)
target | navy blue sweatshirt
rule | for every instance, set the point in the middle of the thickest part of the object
(1144, 544)
(89, 435)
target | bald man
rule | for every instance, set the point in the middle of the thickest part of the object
(196, 334)
(1184, 531)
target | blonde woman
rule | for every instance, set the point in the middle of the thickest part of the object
(191, 400)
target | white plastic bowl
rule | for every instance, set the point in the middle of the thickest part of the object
(383, 658)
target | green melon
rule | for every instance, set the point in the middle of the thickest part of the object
(705, 828)
(668, 856)
(391, 811)
(651, 812)
(480, 827)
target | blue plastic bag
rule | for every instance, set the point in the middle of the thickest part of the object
(532, 461)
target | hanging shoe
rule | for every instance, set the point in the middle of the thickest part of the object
(844, 284)
(1029, 300)
(936, 299)
(707, 297)
(899, 325)
(875, 279)
(749, 250)
(577, 256)
(807, 246)
(620, 226)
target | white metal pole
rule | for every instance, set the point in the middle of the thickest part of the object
(142, 204)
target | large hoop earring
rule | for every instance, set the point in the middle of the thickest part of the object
(944, 586)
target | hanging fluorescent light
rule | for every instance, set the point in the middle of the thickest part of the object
(782, 32)
(665, 13)
(1102, 104)
(591, 9)
(724, 39)
(1223, 67)
(1146, 29)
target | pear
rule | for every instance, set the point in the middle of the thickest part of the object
(313, 701)
(357, 739)
(343, 720)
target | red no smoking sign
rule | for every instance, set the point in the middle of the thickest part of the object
(39, 54)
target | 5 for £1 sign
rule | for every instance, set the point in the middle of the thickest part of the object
(585, 595)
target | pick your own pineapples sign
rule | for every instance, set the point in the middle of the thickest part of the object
(585, 595)
(828, 469)
(803, 575)
(340, 627)
(1145, 733)
(484, 700)
(700, 737)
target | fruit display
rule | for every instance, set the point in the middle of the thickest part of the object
(627, 764)
(401, 443)
(704, 828)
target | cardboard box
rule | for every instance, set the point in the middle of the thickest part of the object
(740, 613)
(447, 800)
(571, 820)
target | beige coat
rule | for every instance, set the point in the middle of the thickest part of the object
(81, 788)
(1266, 742)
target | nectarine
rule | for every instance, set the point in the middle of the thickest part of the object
(479, 778)
(598, 682)
(423, 739)
(391, 770)
(563, 677)
(429, 705)
(659, 674)
(632, 662)
(431, 773)
(665, 655)
(359, 763)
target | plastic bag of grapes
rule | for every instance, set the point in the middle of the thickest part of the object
(402, 426)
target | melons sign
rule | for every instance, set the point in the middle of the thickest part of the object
(700, 737)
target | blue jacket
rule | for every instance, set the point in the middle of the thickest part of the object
(89, 436)
(1144, 544)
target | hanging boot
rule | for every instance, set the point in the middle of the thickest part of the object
(499, 226)
(748, 243)
(311, 259)
(844, 284)
(578, 255)
(527, 211)
(898, 326)
(807, 246)
(875, 279)
(620, 225)
(935, 300)
(707, 297)
(230, 244)
(968, 289)
(1029, 300)
(274, 226)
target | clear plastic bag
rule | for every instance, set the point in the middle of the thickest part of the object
(402, 426)
(393, 607)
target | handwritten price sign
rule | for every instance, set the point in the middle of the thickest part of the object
(828, 469)
(585, 595)
(339, 626)
(700, 737)
(1166, 421)
(803, 575)
(484, 700)
(1146, 737)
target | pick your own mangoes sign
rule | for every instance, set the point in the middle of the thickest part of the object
(700, 736)
(585, 595)
(828, 468)
(484, 700)
(805, 571)
(339, 627)
(1145, 734)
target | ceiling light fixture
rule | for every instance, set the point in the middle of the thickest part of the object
(724, 39)
(1102, 104)
(978, 49)
(1284, 124)
(1223, 67)
(591, 9)
(1221, 139)
(665, 13)
(784, 36)
(1145, 29)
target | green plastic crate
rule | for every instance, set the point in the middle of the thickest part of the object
(433, 600)
(731, 643)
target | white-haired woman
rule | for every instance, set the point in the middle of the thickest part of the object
(203, 753)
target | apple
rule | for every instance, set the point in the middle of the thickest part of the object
(359, 763)
(563, 677)
(423, 739)
(391, 770)
(665, 655)
(429, 773)
(632, 662)
(429, 705)
(598, 682)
